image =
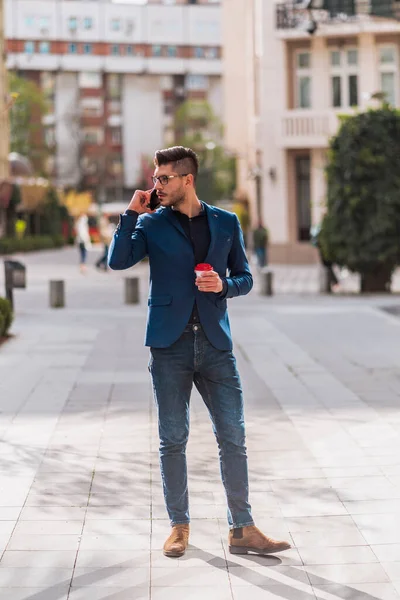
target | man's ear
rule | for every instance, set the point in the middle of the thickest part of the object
(190, 180)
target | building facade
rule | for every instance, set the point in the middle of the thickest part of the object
(4, 137)
(113, 74)
(307, 67)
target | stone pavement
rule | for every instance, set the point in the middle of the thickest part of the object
(81, 508)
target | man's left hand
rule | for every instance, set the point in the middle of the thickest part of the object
(210, 281)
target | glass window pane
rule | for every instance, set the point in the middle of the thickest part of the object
(387, 55)
(304, 98)
(388, 87)
(304, 60)
(352, 57)
(353, 90)
(336, 91)
(335, 58)
(44, 47)
(29, 47)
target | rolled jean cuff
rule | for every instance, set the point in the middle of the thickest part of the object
(173, 523)
(239, 525)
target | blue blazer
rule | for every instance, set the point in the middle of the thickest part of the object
(160, 236)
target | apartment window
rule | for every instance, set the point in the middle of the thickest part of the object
(116, 167)
(50, 136)
(199, 52)
(44, 47)
(115, 24)
(388, 73)
(303, 197)
(114, 107)
(47, 84)
(303, 80)
(116, 136)
(344, 78)
(29, 47)
(157, 50)
(87, 23)
(91, 107)
(114, 86)
(72, 23)
(93, 135)
(129, 50)
(172, 51)
(29, 21)
(89, 79)
(44, 22)
(115, 50)
(211, 52)
(72, 49)
(197, 82)
(87, 48)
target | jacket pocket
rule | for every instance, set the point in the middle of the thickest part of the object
(164, 300)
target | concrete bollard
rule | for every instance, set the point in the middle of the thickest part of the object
(324, 280)
(267, 278)
(57, 296)
(131, 290)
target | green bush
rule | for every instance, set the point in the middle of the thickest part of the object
(361, 229)
(30, 243)
(6, 316)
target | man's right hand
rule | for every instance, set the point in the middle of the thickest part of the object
(139, 202)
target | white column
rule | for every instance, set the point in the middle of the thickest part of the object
(142, 116)
(368, 69)
(318, 185)
(320, 74)
(67, 128)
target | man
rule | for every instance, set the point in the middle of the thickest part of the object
(189, 335)
(260, 243)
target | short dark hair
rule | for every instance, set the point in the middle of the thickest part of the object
(184, 160)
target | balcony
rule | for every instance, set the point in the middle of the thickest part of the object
(307, 128)
(294, 14)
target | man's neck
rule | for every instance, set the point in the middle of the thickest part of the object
(191, 207)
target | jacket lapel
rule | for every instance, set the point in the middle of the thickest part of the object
(213, 224)
(167, 212)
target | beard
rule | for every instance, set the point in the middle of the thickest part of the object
(174, 200)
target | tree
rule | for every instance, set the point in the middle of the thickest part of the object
(361, 229)
(26, 129)
(197, 127)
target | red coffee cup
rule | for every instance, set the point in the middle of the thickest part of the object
(202, 268)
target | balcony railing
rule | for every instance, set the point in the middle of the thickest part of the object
(293, 14)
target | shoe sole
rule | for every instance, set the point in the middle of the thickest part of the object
(247, 549)
(173, 554)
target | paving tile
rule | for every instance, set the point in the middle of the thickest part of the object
(49, 527)
(337, 555)
(20, 541)
(267, 575)
(191, 593)
(109, 593)
(57, 559)
(117, 527)
(356, 591)
(346, 573)
(28, 593)
(111, 577)
(287, 591)
(386, 552)
(115, 542)
(34, 577)
(113, 559)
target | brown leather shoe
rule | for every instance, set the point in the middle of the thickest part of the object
(177, 542)
(250, 539)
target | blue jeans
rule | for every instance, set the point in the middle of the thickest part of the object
(192, 359)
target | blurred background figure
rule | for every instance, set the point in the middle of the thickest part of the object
(82, 239)
(333, 281)
(260, 244)
(106, 231)
(20, 228)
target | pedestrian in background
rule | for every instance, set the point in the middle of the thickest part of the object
(106, 231)
(82, 239)
(260, 244)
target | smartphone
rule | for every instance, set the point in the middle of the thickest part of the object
(154, 201)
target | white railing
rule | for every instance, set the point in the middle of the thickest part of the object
(307, 128)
